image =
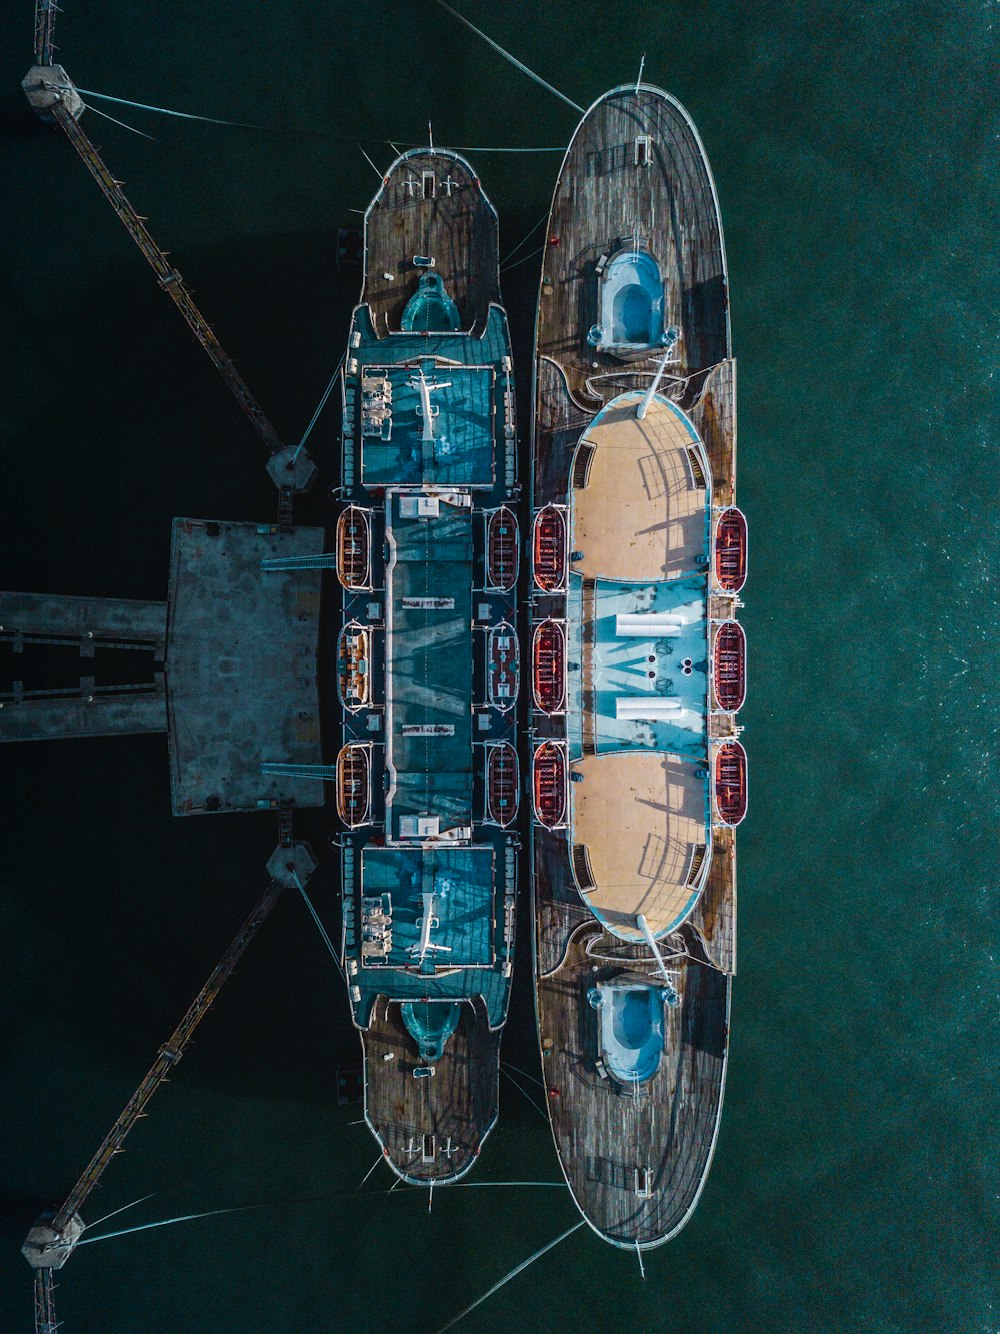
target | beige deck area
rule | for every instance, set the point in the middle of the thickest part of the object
(640, 516)
(640, 816)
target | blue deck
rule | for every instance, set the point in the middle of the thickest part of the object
(468, 445)
(665, 667)
(429, 665)
(467, 884)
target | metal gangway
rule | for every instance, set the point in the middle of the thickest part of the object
(50, 1242)
(53, 95)
(166, 275)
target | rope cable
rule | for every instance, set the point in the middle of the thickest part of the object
(518, 1269)
(322, 929)
(277, 129)
(511, 253)
(507, 56)
(141, 133)
(524, 259)
(524, 1093)
(322, 404)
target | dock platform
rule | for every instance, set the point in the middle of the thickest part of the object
(241, 666)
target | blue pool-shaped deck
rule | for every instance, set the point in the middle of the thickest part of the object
(631, 300)
(631, 1030)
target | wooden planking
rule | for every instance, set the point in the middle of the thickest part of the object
(603, 199)
(714, 414)
(459, 1099)
(559, 909)
(714, 916)
(458, 230)
(602, 1134)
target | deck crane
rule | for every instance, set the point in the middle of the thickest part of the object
(52, 94)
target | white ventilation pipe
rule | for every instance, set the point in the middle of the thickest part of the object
(645, 708)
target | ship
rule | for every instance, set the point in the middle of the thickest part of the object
(428, 664)
(638, 778)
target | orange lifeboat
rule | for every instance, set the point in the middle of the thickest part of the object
(503, 784)
(353, 785)
(549, 548)
(548, 666)
(731, 550)
(502, 549)
(730, 666)
(731, 782)
(354, 549)
(549, 784)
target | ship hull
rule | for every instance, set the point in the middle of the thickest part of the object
(428, 561)
(634, 276)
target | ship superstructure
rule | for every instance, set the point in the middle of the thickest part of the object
(428, 666)
(638, 666)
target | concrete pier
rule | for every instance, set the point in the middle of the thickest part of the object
(120, 620)
(241, 666)
(111, 714)
(89, 624)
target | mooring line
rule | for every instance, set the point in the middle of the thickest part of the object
(507, 56)
(114, 121)
(511, 253)
(518, 1071)
(370, 1171)
(480, 1185)
(370, 162)
(560, 148)
(165, 1222)
(217, 120)
(322, 929)
(523, 260)
(518, 1269)
(397, 148)
(524, 1093)
(141, 1200)
(322, 404)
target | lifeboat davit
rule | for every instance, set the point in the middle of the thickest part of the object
(731, 783)
(549, 548)
(549, 784)
(353, 785)
(503, 782)
(548, 666)
(730, 666)
(502, 549)
(354, 549)
(731, 550)
(503, 666)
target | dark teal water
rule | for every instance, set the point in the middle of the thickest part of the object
(855, 1184)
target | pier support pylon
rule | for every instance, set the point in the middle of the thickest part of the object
(47, 1247)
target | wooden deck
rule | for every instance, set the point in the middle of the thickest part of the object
(714, 414)
(459, 1101)
(640, 817)
(604, 1136)
(640, 516)
(458, 229)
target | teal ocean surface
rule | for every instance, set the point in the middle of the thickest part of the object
(855, 1182)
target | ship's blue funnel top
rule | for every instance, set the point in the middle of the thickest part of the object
(430, 309)
(430, 1024)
